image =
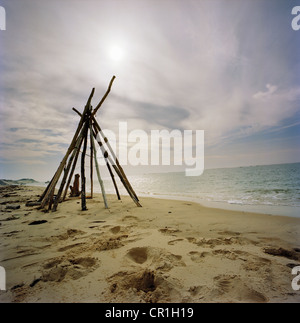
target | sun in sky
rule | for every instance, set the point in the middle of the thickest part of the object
(116, 53)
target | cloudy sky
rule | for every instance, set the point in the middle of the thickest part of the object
(230, 68)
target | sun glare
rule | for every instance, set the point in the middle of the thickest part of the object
(116, 53)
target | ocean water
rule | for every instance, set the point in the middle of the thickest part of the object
(269, 189)
(272, 189)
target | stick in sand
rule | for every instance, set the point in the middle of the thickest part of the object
(104, 97)
(67, 169)
(91, 162)
(97, 168)
(50, 189)
(115, 159)
(124, 182)
(107, 163)
(83, 197)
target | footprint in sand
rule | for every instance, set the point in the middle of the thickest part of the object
(138, 255)
(168, 230)
(141, 281)
(197, 256)
(237, 290)
(230, 233)
(152, 286)
(156, 258)
(213, 242)
(59, 269)
(70, 233)
(96, 224)
(70, 246)
(293, 254)
(130, 218)
(116, 229)
(225, 253)
(172, 242)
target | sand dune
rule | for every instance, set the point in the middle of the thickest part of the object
(166, 251)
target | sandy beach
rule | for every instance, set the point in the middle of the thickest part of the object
(165, 251)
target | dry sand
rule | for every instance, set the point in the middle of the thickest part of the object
(166, 251)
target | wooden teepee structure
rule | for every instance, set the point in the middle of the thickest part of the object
(87, 129)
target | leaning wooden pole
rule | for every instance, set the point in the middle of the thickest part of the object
(91, 163)
(107, 163)
(113, 180)
(97, 167)
(105, 155)
(45, 191)
(115, 159)
(67, 169)
(108, 158)
(50, 189)
(104, 97)
(51, 200)
(72, 169)
(83, 180)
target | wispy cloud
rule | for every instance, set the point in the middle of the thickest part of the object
(267, 94)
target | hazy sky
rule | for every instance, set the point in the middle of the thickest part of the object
(230, 68)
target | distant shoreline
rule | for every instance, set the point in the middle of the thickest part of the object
(268, 189)
(22, 181)
(274, 210)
